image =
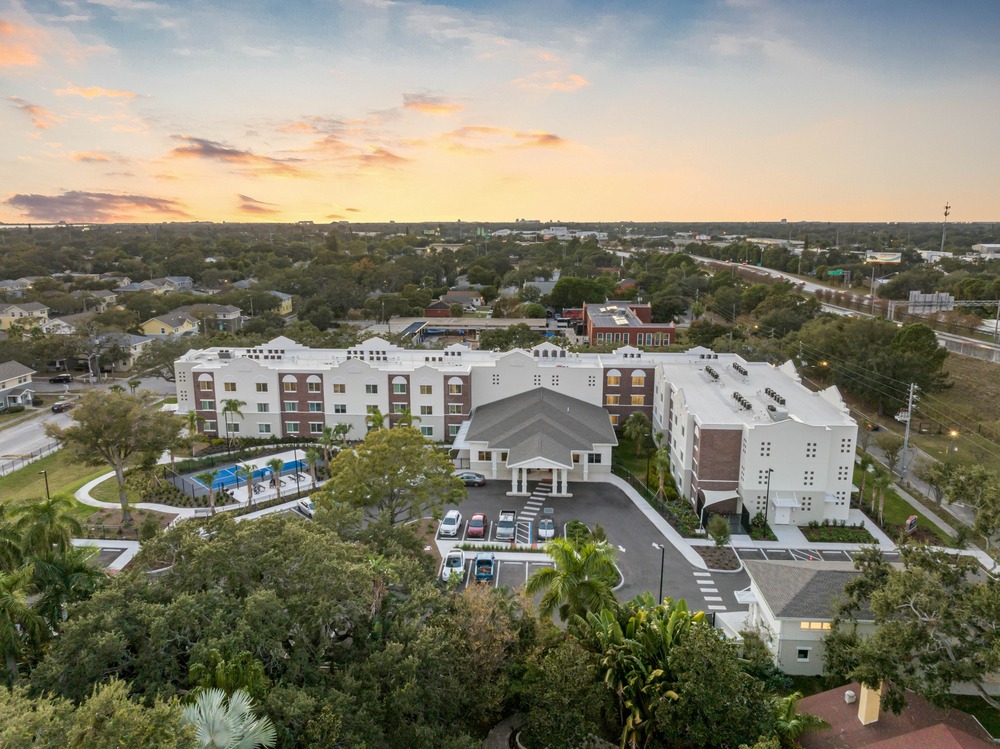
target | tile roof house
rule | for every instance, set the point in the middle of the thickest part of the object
(15, 384)
(919, 726)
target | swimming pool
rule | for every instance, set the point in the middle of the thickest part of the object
(227, 477)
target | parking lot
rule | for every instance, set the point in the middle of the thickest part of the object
(627, 529)
(805, 555)
(507, 573)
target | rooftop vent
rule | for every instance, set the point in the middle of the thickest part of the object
(712, 373)
(741, 399)
(741, 369)
(776, 397)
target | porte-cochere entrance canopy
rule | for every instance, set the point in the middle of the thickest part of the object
(540, 430)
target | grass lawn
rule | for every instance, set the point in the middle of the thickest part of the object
(625, 454)
(897, 510)
(107, 491)
(988, 716)
(65, 477)
(837, 534)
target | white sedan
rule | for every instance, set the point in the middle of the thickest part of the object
(452, 524)
(454, 565)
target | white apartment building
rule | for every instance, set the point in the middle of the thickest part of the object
(723, 449)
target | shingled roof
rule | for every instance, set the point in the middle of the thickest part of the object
(541, 423)
(803, 590)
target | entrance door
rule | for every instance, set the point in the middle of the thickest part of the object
(782, 515)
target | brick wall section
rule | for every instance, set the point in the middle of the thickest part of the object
(718, 459)
(626, 390)
(204, 395)
(301, 398)
(399, 398)
(465, 399)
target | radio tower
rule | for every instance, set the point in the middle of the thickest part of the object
(944, 226)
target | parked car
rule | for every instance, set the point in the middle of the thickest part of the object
(477, 525)
(61, 378)
(58, 408)
(471, 478)
(546, 529)
(451, 524)
(306, 507)
(454, 565)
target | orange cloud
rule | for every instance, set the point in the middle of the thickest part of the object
(17, 45)
(428, 104)
(378, 156)
(485, 138)
(93, 92)
(551, 80)
(41, 118)
(255, 164)
(78, 206)
(257, 207)
(90, 157)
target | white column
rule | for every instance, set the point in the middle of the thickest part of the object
(513, 480)
(565, 472)
(586, 469)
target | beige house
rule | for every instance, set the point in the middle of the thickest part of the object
(15, 384)
(24, 314)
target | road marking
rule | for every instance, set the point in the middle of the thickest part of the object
(702, 574)
(709, 590)
(717, 608)
(713, 598)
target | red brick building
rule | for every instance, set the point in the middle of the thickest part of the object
(627, 323)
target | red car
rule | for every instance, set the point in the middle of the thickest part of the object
(477, 526)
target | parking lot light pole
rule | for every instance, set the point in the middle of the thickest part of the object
(767, 491)
(662, 548)
(46, 475)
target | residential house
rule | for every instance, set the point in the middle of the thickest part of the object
(438, 308)
(15, 384)
(26, 315)
(175, 322)
(149, 286)
(13, 288)
(176, 283)
(284, 303)
(465, 297)
(100, 300)
(59, 326)
(857, 722)
(119, 278)
(127, 347)
(194, 318)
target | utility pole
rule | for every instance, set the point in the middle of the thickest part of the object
(944, 226)
(906, 434)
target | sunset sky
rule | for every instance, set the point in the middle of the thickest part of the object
(371, 110)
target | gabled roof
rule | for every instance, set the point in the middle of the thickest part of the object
(174, 318)
(541, 424)
(24, 307)
(11, 369)
(803, 590)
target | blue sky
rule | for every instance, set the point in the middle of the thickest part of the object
(397, 109)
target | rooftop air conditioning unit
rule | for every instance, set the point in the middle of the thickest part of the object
(849, 697)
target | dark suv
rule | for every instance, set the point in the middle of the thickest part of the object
(58, 408)
(61, 378)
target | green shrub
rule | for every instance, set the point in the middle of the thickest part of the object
(718, 529)
(14, 409)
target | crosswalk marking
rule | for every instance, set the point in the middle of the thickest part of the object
(713, 598)
(717, 608)
(702, 574)
(709, 590)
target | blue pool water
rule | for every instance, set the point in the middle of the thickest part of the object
(226, 477)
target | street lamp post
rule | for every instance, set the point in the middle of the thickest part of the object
(767, 491)
(45, 474)
(662, 548)
(951, 448)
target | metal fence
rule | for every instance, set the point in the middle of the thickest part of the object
(655, 502)
(15, 463)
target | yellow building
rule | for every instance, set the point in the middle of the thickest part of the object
(26, 315)
(175, 322)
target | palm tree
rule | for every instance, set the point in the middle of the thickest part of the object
(231, 407)
(11, 551)
(277, 465)
(312, 459)
(46, 524)
(64, 578)
(327, 441)
(21, 627)
(246, 470)
(133, 384)
(789, 724)
(228, 724)
(864, 463)
(882, 484)
(638, 428)
(116, 389)
(406, 418)
(193, 422)
(375, 419)
(661, 464)
(581, 580)
(207, 478)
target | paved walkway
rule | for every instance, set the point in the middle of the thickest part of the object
(499, 736)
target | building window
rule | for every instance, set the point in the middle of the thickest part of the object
(292, 427)
(483, 456)
(371, 389)
(802, 654)
(426, 389)
(290, 406)
(591, 381)
(638, 400)
(210, 426)
(536, 381)
(263, 428)
(765, 449)
(455, 409)
(206, 405)
(455, 388)
(340, 408)
(263, 408)
(810, 449)
(315, 427)
(612, 400)
(288, 387)
(614, 381)
(427, 431)
(843, 473)
(426, 410)
(229, 387)
(814, 625)
(261, 387)
(600, 338)
(808, 478)
(399, 388)
(398, 408)
(638, 380)
(594, 458)
(496, 379)
(453, 430)
(315, 406)
(234, 428)
(314, 387)
(205, 385)
(614, 419)
(339, 387)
